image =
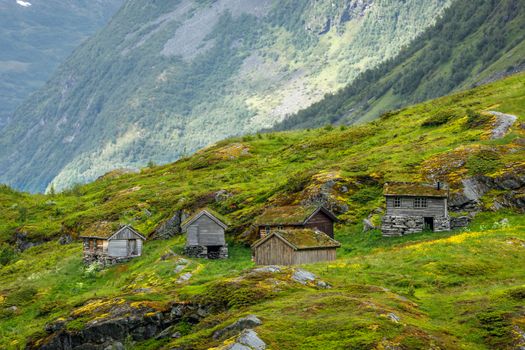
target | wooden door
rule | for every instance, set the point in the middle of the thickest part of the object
(132, 247)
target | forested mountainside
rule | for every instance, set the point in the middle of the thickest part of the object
(475, 42)
(36, 36)
(453, 290)
(165, 78)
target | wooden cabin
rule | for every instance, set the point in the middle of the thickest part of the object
(294, 247)
(205, 235)
(108, 244)
(415, 207)
(296, 217)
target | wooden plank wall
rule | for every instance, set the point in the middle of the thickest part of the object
(321, 222)
(126, 234)
(193, 235)
(314, 255)
(274, 252)
(435, 207)
(209, 232)
(118, 247)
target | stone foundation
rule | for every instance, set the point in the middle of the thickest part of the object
(103, 259)
(394, 226)
(441, 224)
(202, 252)
(459, 222)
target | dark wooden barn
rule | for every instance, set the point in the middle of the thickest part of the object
(294, 247)
(108, 243)
(205, 235)
(415, 207)
(294, 217)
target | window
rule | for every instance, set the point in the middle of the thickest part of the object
(420, 202)
(267, 229)
(280, 228)
(100, 244)
(397, 202)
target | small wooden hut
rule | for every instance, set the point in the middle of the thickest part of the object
(296, 217)
(205, 235)
(294, 247)
(415, 207)
(108, 244)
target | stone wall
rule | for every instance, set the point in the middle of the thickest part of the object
(393, 226)
(441, 224)
(98, 256)
(201, 252)
(459, 222)
(103, 259)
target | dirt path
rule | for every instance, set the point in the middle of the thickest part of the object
(503, 124)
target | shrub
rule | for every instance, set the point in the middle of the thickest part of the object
(366, 195)
(484, 162)
(494, 323)
(476, 120)
(21, 296)
(438, 119)
(7, 254)
(517, 293)
(92, 270)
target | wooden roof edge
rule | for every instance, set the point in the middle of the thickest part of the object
(198, 215)
(324, 210)
(293, 246)
(276, 234)
(131, 228)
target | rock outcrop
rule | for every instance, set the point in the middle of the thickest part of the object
(122, 321)
(171, 227)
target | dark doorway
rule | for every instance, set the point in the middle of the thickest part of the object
(429, 224)
(214, 252)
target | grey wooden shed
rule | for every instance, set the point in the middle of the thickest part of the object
(413, 207)
(205, 235)
(107, 243)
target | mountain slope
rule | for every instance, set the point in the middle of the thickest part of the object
(166, 78)
(457, 290)
(475, 42)
(36, 36)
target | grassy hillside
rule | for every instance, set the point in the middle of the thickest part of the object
(35, 40)
(164, 79)
(475, 41)
(458, 290)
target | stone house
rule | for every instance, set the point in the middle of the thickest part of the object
(415, 207)
(295, 217)
(108, 243)
(205, 235)
(294, 247)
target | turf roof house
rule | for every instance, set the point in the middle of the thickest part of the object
(415, 207)
(206, 235)
(108, 244)
(294, 247)
(294, 217)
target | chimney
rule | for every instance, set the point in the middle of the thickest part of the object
(438, 185)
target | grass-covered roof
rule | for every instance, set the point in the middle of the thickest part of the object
(101, 229)
(288, 215)
(302, 239)
(414, 189)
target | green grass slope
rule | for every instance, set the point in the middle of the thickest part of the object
(164, 79)
(458, 290)
(474, 42)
